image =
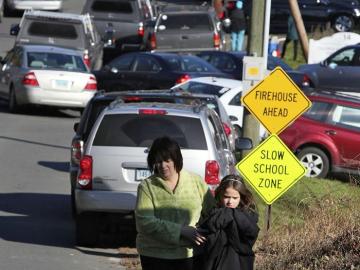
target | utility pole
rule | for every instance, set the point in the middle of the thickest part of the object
(255, 48)
(295, 12)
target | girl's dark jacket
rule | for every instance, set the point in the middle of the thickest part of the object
(231, 234)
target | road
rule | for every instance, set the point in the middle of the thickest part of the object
(37, 231)
(36, 227)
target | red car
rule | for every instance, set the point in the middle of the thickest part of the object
(327, 137)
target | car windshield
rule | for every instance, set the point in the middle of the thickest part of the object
(188, 63)
(47, 60)
(185, 22)
(139, 130)
(202, 88)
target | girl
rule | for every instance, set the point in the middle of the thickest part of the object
(231, 228)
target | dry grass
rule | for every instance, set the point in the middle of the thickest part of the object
(329, 238)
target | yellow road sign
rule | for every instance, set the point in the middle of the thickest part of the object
(271, 169)
(276, 101)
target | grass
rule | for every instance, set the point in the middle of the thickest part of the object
(314, 225)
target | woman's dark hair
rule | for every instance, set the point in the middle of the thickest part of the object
(163, 149)
(237, 183)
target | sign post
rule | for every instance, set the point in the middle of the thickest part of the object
(271, 168)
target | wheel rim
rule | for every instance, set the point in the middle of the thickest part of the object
(343, 24)
(313, 163)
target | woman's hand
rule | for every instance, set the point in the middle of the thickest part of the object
(192, 235)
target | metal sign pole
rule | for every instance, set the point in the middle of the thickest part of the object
(268, 218)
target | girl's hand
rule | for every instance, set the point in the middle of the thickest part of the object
(192, 235)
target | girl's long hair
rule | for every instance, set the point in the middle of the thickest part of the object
(236, 182)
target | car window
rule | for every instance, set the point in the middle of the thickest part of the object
(55, 61)
(194, 64)
(112, 6)
(53, 30)
(343, 58)
(132, 130)
(217, 134)
(145, 63)
(186, 22)
(318, 111)
(123, 63)
(348, 117)
(236, 101)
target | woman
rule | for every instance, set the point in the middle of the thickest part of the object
(169, 203)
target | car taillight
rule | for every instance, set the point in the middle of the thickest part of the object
(91, 84)
(183, 78)
(141, 29)
(212, 174)
(85, 177)
(216, 40)
(86, 58)
(152, 111)
(30, 79)
(230, 5)
(227, 129)
(76, 151)
(153, 41)
(306, 81)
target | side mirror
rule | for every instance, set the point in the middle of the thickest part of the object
(14, 29)
(76, 126)
(243, 144)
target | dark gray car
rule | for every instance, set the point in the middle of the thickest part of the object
(60, 29)
(122, 24)
(187, 28)
(340, 71)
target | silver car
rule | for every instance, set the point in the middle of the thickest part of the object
(45, 75)
(114, 160)
(12, 5)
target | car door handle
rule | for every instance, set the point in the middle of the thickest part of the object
(330, 132)
(184, 37)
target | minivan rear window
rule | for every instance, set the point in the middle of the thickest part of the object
(54, 30)
(132, 130)
(112, 7)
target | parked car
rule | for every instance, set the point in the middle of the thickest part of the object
(1, 10)
(343, 15)
(187, 28)
(45, 75)
(229, 92)
(340, 71)
(102, 100)
(66, 30)
(15, 5)
(232, 63)
(114, 160)
(145, 70)
(124, 25)
(326, 138)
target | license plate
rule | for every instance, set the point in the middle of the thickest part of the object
(141, 174)
(63, 84)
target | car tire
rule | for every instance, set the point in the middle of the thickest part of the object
(343, 23)
(315, 161)
(13, 105)
(86, 228)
